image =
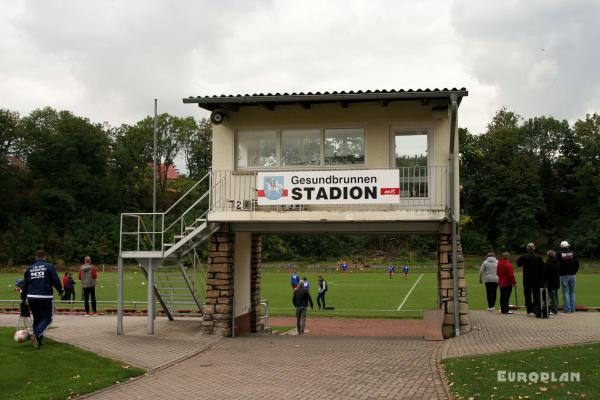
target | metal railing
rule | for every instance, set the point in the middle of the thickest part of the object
(171, 225)
(421, 189)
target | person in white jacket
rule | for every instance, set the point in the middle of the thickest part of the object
(487, 274)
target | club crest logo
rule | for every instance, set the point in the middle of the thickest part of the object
(273, 187)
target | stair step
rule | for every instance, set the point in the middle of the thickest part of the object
(171, 288)
(166, 274)
(169, 244)
(179, 236)
(190, 228)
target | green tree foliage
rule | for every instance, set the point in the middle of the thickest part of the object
(534, 180)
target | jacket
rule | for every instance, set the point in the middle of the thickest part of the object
(39, 278)
(569, 265)
(506, 273)
(87, 275)
(552, 273)
(302, 298)
(488, 268)
(533, 269)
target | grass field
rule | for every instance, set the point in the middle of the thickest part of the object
(354, 294)
(55, 371)
(477, 377)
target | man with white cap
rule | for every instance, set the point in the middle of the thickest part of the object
(569, 265)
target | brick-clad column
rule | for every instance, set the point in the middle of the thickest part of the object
(445, 282)
(255, 282)
(218, 307)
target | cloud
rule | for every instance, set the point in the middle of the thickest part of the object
(541, 57)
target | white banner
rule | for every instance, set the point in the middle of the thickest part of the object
(374, 186)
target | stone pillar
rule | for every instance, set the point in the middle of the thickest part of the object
(255, 283)
(446, 283)
(218, 309)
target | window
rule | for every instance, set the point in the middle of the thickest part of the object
(410, 157)
(344, 146)
(257, 149)
(300, 147)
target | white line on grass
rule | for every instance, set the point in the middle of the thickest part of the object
(409, 292)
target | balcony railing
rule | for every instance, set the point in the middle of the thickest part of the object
(421, 189)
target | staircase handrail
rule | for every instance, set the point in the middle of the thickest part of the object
(194, 204)
(188, 192)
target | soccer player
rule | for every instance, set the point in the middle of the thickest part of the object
(405, 271)
(295, 280)
(344, 266)
(390, 270)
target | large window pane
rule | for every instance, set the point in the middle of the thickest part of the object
(411, 160)
(301, 147)
(344, 146)
(257, 149)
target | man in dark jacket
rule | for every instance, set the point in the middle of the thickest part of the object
(533, 268)
(301, 300)
(552, 279)
(569, 265)
(39, 279)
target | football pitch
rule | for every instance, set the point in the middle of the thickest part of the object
(367, 294)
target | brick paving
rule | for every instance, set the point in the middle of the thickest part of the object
(494, 332)
(292, 367)
(356, 326)
(173, 339)
(185, 364)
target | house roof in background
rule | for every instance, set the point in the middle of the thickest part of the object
(270, 100)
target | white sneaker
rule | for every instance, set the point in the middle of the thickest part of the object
(491, 309)
(86, 315)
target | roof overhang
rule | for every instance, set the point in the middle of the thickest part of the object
(306, 100)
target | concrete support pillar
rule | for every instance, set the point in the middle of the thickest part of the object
(445, 283)
(218, 309)
(255, 283)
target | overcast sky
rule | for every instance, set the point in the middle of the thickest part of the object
(108, 60)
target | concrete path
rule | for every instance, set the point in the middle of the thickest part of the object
(186, 365)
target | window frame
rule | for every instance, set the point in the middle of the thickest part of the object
(278, 135)
(413, 130)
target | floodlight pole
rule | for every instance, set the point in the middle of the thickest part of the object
(150, 272)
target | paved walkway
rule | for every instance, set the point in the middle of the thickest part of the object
(186, 365)
(326, 326)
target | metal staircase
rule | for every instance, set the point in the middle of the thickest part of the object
(166, 244)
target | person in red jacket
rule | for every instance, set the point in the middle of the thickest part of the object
(506, 281)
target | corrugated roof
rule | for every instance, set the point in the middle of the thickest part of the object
(273, 99)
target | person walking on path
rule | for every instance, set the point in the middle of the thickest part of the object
(88, 276)
(488, 270)
(569, 265)
(552, 278)
(321, 293)
(295, 280)
(506, 281)
(533, 268)
(301, 300)
(39, 278)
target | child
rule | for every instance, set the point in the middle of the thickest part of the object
(344, 266)
(405, 271)
(390, 270)
(295, 280)
(70, 287)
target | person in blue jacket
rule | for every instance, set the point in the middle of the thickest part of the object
(39, 278)
(295, 280)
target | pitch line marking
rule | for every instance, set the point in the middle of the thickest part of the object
(409, 292)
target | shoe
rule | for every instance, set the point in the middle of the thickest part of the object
(34, 342)
(553, 313)
(86, 315)
(491, 309)
(94, 315)
(508, 312)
